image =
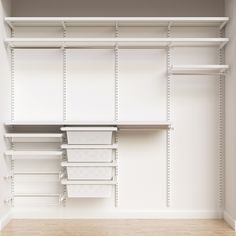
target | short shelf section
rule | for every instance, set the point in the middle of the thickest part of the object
(34, 137)
(198, 69)
(36, 195)
(32, 154)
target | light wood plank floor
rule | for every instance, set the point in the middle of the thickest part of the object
(117, 228)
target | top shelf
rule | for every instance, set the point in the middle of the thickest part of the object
(112, 21)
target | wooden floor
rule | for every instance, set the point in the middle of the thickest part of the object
(117, 228)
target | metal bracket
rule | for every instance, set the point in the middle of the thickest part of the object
(63, 25)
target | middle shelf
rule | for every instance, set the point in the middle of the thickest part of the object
(112, 42)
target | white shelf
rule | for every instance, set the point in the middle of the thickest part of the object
(36, 195)
(143, 125)
(61, 123)
(198, 69)
(30, 154)
(78, 182)
(111, 21)
(121, 124)
(112, 42)
(74, 146)
(33, 135)
(88, 129)
(91, 164)
(36, 173)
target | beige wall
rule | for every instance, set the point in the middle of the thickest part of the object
(118, 8)
(230, 200)
(4, 95)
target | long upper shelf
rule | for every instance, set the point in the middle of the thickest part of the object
(121, 124)
(111, 42)
(112, 21)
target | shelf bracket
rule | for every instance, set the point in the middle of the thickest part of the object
(10, 24)
(222, 45)
(170, 23)
(223, 25)
(63, 25)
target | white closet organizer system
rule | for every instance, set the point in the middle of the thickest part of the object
(88, 151)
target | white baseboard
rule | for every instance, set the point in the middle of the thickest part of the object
(116, 214)
(5, 220)
(229, 219)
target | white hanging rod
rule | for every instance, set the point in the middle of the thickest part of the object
(198, 69)
(112, 42)
(90, 164)
(74, 146)
(111, 21)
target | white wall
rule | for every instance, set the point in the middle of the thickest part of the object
(5, 108)
(118, 8)
(230, 178)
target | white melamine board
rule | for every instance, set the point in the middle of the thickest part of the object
(90, 83)
(195, 142)
(38, 85)
(142, 85)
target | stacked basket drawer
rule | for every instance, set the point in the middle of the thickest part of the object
(90, 161)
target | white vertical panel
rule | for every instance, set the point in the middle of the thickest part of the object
(90, 83)
(38, 85)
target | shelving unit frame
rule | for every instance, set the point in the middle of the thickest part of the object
(118, 44)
